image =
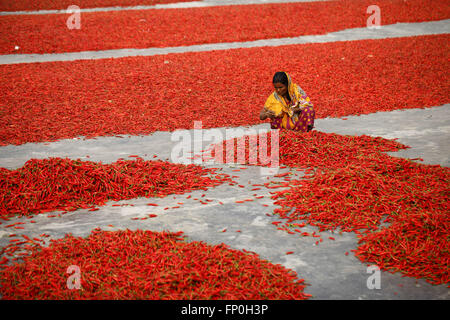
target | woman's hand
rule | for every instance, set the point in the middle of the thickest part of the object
(297, 108)
(270, 114)
(266, 114)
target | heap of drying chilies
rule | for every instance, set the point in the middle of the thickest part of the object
(65, 184)
(398, 208)
(124, 264)
(145, 265)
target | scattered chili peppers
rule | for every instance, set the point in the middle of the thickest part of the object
(146, 265)
(355, 187)
(63, 184)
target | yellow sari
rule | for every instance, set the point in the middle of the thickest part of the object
(283, 109)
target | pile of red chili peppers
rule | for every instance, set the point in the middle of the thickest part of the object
(138, 92)
(65, 184)
(146, 265)
(19, 5)
(398, 208)
(136, 28)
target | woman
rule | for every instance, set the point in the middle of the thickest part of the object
(288, 107)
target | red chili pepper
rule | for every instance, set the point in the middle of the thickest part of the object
(72, 184)
(134, 262)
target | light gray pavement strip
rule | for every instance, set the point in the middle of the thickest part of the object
(329, 272)
(385, 31)
(426, 131)
(175, 5)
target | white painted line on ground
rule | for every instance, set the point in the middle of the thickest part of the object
(176, 5)
(386, 31)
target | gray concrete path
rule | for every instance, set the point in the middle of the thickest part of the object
(385, 31)
(175, 5)
(426, 131)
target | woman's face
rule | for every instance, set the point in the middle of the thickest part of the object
(280, 89)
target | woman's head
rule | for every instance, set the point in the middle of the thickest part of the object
(281, 83)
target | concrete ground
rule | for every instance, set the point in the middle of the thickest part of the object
(330, 273)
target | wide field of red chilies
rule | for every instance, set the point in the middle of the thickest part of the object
(26, 5)
(64, 184)
(146, 265)
(182, 27)
(141, 95)
(398, 208)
